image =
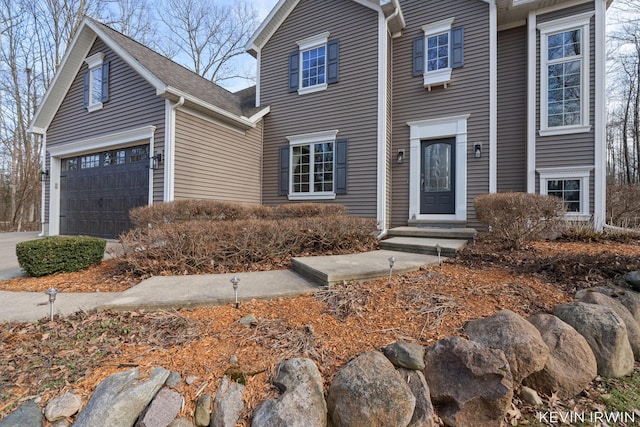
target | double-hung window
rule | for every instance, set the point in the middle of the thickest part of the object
(96, 82)
(438, 52)
(314, 65)
(564, 75)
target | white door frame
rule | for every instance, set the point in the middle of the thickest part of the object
(444, 127)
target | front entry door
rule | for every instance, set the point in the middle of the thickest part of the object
(437, 176)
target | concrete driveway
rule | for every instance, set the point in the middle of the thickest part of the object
(9, 266)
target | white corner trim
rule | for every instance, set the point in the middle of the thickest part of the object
(443, 127)
(112, 140)
(600, 157)
(493, 97)
(313, 137)
(382, 178)
(532, 69)
(438, 27)
(313, 41)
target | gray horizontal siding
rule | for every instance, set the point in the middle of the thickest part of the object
(132, 104)
(349, 105)
(512, 110)
(215, 162)
(468, 93)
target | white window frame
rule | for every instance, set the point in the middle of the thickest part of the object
(310, 139)
(94, 62)
(575, 22)
(570, 173)
(441, 76)
(313, 42)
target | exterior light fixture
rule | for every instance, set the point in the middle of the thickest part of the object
(52, 292)
(400, 157)
(392, 261)
(439, 250)
(478, 150)
(44, 174)
(234, 282)
(155, 161)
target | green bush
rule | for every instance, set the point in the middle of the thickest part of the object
(59, 254)
(517, 218)
(214, 210)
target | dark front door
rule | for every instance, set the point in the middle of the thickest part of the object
(437, 177)
(98, 190)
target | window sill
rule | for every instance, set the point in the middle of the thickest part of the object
(437, 78)
(312, 89)
(576, 216)
(564, 130)
(311, 196)
(95, 107)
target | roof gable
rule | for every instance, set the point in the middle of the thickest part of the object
(169, 79)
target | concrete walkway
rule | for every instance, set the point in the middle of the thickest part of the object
(172, 292)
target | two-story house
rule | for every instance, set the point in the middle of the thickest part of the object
(403, 111)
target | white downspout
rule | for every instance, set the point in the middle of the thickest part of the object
(170, 152)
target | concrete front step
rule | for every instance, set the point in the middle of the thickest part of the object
(325, 270)
(434, 232)
(424, 245)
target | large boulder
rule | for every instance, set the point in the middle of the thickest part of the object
(471, 384)
(423, 414)
(227, 404)
(368, 391)
(405, 355)
(633, 279)
(120, 399)
(520, 341)
(626, 297)
(605, 333)
(633, 329)
(302, 403)
(27, 415)
(571, 365)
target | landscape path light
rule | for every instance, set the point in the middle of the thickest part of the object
(52, 292)
(234, 282)
(439, 249)
(392, 261)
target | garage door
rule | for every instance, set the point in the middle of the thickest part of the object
(97, 191)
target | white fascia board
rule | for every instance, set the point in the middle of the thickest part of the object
(241, 122)
(259, 115)
(272, 22)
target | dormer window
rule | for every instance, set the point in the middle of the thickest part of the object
(314, 65)
(96, 82)
(438, 52)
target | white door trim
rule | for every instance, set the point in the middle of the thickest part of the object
(444, 127)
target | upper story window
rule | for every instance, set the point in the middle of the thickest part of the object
(314, 65)
(564, 75)
(438, 52)
(96, 82)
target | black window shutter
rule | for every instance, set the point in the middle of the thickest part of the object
(85, 89)
(457, 47)
(418, 57)
(105, 82)
(333, 54)
(294, 71)
(283, 168)
(341, 166)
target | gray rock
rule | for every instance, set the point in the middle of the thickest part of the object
(633, 279)
(162, 410)
(423, 414)
(530, 396)
(633, 329)
(61, 423)
(520, 341)
(248, 320)
(626, 297)
(227, 404)
(605, 333)
(120, 399)
(181, 422)
(61, 407)
(27, 415)
(368, 391)
(470, 383)
(202, 418)
(571, 365)
(405, 355)
(174, 380)
(302, 403)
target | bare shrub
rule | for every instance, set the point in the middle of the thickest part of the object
(517, 218)
(194, 247)
(623, 205)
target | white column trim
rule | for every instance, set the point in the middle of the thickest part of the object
(381, 208)
(600, 173)
(493, 97)
(531, 102)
